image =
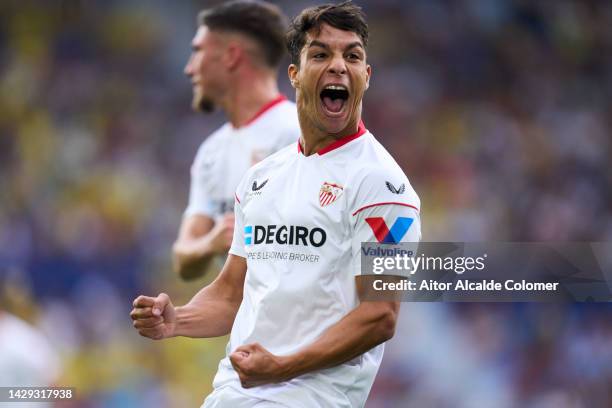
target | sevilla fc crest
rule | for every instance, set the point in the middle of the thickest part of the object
(329, 193)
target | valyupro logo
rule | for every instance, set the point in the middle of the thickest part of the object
(384, 235)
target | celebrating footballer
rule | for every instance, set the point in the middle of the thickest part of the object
(290, 291)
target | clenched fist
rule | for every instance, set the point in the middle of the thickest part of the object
(154, 317)
(257, 366)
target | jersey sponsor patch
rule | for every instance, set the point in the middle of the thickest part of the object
(384, 235)
(284, 235)
(329, 193)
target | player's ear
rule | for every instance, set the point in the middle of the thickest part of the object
(233, 56)
(368, 75)
(292, 71)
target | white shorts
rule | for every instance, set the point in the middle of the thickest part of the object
(227, 397)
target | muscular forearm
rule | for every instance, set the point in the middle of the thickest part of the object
(211, 319)
(364, 328)
(210, 313)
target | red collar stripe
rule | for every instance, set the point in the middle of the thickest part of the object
(267, 107)
(361, 129)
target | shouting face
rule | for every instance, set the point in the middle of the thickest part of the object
(331, 79)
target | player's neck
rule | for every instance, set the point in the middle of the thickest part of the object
(314, 139)
(247, 96)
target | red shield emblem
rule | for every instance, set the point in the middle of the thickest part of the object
(329, 193)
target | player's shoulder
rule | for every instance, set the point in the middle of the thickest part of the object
(369, 156)
(376, 173)
(214, 139)
(270, 163)
(279, 125)
(281, 116)
(286, 107)
(276, 159)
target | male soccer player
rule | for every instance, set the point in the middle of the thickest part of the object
(234, 63)
(290, 291)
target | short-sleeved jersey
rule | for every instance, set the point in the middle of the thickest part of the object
(300, 222)
(225, 156)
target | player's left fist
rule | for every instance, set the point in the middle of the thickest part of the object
(257, 366)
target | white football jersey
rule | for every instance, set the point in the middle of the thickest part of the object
(225, 156)
(300, 222)
(27, 358)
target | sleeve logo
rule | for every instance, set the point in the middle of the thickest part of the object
(394, 190)
(255, 187)
(384, 235)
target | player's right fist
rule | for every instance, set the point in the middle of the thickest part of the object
(154, 317)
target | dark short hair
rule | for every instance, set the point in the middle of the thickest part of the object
(263, 22)
(344, 16)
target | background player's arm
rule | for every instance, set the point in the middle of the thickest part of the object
(200, 239)
(210, 313)
(368, 325)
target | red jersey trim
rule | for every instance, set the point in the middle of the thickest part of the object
(266, 107)
(386, 203)
(361, 129)
(237, 199)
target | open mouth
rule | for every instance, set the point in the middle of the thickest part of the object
(334, 98)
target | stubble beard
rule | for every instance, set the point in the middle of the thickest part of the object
(202, 103)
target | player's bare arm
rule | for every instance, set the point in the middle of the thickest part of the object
(210, 313)
(200, 239)
(368, 325)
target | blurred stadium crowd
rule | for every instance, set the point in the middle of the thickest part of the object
(499, 112)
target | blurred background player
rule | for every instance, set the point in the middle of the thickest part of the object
(28, 358)
(235, 57)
